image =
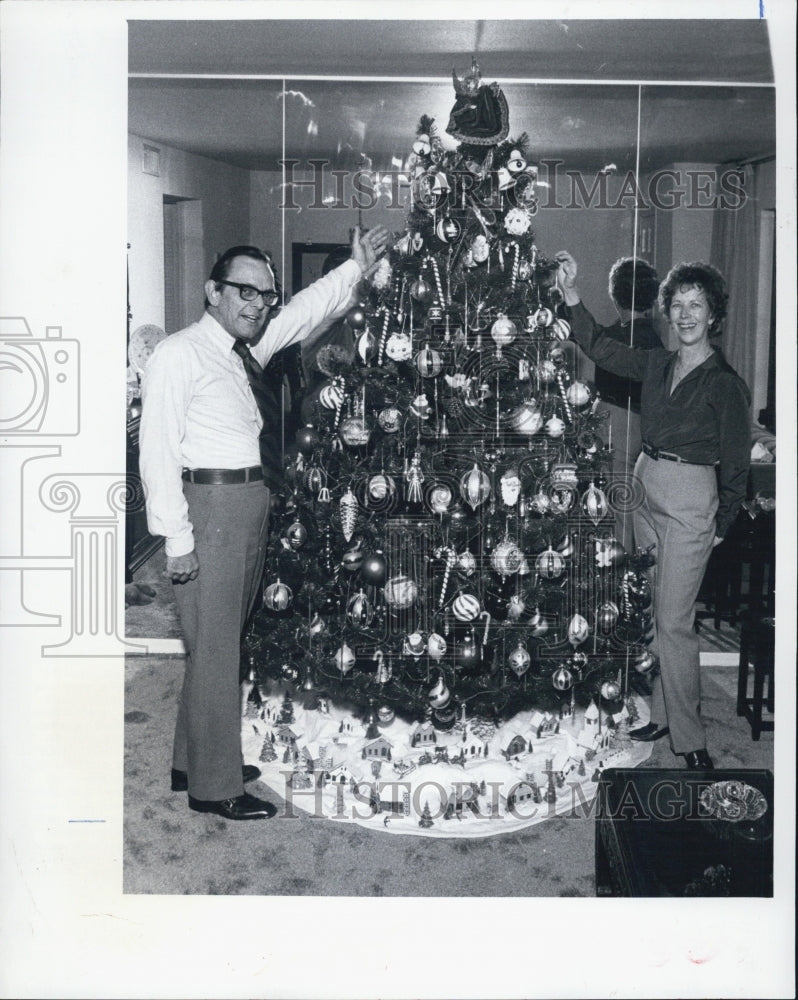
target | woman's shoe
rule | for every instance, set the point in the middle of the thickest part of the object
(699, 760)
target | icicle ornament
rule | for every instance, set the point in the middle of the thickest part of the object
(348, 507)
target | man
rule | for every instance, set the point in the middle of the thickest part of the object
(633, 287)
(207, 461)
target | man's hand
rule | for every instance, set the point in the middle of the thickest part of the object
(566, 277)
(367, 249)
(181, 569)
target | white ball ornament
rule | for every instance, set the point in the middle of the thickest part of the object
(561, 329)
(475, 487)
(527, 418)
(555, 427)
(277, 596)
(436, 646)
(503, 331)
(345, 659)
(354, 432)
(381, 486)
(390, 419)
(549, 564)
(562, 679)
(428, 362)
(519, 660)
(578, 394)
(544, 317)
(359, 610)
(400, 592)
(466, 607)
(466, 562)
(506, 558)
(610, 691)
(440, 497)
(480, 249)
(331, 396)
(439, 694)
(578, 630)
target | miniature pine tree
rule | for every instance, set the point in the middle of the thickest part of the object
(267, 753)
(287, 711)
(426, 817)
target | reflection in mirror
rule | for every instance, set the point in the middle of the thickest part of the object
(708, 192)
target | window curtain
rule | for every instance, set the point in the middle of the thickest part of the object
(735, 249)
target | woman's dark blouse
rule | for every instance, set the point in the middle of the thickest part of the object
(705, 419)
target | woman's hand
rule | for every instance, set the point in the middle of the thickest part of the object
(566, 277)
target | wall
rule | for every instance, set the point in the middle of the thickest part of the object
(224, 194)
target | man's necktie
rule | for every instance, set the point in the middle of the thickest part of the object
(267, 397)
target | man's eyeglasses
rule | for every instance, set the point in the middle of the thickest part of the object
(249, 293)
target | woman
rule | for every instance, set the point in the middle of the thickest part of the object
(695, 425)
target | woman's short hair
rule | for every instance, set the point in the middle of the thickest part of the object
(633, 284)
(697, 275)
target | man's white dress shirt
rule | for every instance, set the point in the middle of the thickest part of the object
(198, 411)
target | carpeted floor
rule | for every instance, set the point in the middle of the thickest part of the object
(170, 850)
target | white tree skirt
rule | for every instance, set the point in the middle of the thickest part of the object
(487, 792)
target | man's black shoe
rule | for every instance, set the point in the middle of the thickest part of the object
(180, 779)
(244, 806)
(699, 760)
(648, 733)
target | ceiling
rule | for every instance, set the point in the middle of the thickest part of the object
(249, 93)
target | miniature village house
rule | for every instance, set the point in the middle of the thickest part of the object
(422, 734)
(542, 723)
(379, 748)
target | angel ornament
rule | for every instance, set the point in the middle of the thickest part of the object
(415, 477)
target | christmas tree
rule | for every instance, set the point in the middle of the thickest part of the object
(446, 538)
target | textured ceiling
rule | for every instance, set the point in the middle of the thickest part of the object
(252, 123)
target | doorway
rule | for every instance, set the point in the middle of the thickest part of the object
(183, 256)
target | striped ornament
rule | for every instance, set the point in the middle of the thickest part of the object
(465, 607)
